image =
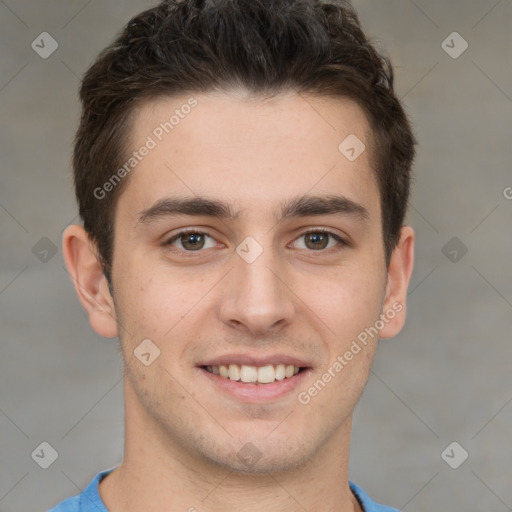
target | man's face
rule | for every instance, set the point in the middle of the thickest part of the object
(256, 289)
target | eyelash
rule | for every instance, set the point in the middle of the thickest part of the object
(342, 243)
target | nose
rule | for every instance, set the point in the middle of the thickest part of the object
(256, 298)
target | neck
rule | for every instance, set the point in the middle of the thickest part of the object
(158, 473)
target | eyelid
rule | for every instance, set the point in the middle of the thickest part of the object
(342, 241)
(169, 241)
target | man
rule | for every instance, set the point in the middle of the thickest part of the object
(242, 169)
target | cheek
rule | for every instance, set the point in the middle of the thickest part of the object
(347, 300)
(155, 312)
(144, 303)
(348, 306)
(160, 303)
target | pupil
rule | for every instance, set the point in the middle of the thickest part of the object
(193, 239)
(318, 237)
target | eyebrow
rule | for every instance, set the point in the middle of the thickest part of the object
(301, 206)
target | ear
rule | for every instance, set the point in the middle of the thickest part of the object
(90, 283)
(399, 275)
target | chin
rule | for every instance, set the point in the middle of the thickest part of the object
(260, 456)
(262, 466)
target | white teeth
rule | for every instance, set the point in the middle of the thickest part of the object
(266, 374)
(247, 373)
(234, 372)
(280, 372)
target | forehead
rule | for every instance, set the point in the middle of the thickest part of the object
(250, 151)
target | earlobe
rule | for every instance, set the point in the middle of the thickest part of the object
(90, 282)
(399, 275)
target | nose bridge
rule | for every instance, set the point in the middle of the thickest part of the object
(257, 295)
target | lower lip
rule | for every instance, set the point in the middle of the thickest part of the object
(255, 392)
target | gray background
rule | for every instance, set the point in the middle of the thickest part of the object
(444, 378)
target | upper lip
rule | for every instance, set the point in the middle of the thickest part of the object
(256, 360)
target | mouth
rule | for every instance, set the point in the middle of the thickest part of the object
(249, 374)
(255, 380)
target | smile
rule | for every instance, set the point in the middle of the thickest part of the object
(256, 384)
(252, 374)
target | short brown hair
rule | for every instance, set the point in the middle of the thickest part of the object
(264, 46)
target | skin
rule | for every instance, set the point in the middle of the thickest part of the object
(182, 435)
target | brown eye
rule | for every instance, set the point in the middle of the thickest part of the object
(190, 240)
(319, 240)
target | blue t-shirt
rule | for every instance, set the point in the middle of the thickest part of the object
(90, 500)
